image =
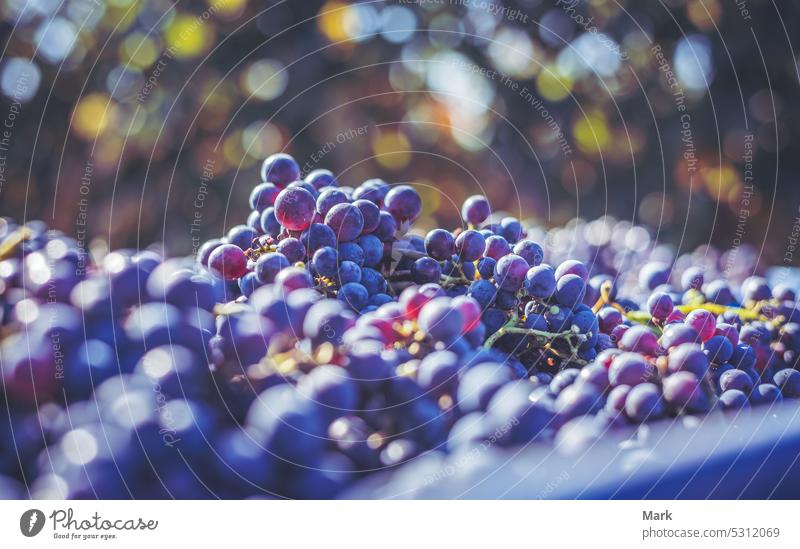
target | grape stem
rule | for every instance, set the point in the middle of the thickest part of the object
(541, 336)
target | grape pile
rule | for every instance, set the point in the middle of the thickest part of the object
(324, 340)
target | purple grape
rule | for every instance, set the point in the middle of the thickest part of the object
(280, 169)
(530, 251)
(470, 245)
(263, 196)
(630, 369)
(615, 403)
(439, 319)
(692, 279)
(269, 265)
(683, 391)
(372, 249)
(321, 179)
(788, 380)
(476, 210)
(293, 278)
(608, 318)
(348, 272)
(269, 223)
(718, 349)
(486, 267)
(511, 229)
(578, 400)
(688, 357)
(426, 270)
(350, 251)
(572, 267)
(733, 399)
(228, 261)
(440, 244)
(678, 334)
(404, 203)
(354, 294)
(293, 249)
(653, 275)
(205, 250)
(660, 305)
(736, 379)
(374, 190)
(540, 282)
(570, 289)
(756, 288)
(496, 247)
(294, 208)
(329, 198)
(766, 393)
(644, 403)
(318, 236)
(510, 272)
(242, 236)
(326, 261)
(703, 323)
(386, 228)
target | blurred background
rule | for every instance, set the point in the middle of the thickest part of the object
(147, 121)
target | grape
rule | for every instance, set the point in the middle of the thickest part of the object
(318, 236)
(530, 251)
(733, 399)
(572, 267)
(718, 349)
(703, 322)
(242, 236)
(228, 261)
(280, 169)
(293, 249)
(730, 332)
(660, 305)
(640, 339)
(511, 229)
(348, 272)
(644, 403)
(692, 279)
(269, 265)
(326, 261)
(350, 251)
(615, 403)
(608, 318)
(321, 179)
(476, 210)
(374, 190)
(441, 320)
(563, 379)
(512, 401)
(788, 381)
(570, 290)
(718, 291)
(688, 357)
(372, 249)
(373, 281)
(293, 278)
(766, 393)
(440, 244)
(486, 267)
(470, 245)
(496, 247)
(329, 198)
(404, 203)
(386, 228)
(370, 213)
(263, 196)
(654, 274)
(577, 400)
(483, 292)
(269, 223)
(425, 270)
(683, 391)
(678, 334)
(294, 209)
(540, 282)
(755, 288)
(470, 311)
(205, 250)
(510, 272)
(630, 369)
(736, 379)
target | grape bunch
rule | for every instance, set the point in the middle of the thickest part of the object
(324, 340)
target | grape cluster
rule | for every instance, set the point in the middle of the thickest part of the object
(324, 340)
